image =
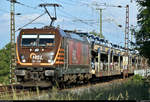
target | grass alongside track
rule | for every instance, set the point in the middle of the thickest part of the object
(135, 88)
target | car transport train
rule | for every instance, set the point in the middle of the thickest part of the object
(49, 54)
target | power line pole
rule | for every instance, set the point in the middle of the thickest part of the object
(127, 29)
(12, 42)
(132, 31)
(100, 21)
(126, 57)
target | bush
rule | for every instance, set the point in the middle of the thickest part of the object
(4, 64)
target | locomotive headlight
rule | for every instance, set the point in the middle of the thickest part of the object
(30, 50)
(50, 57)
(49, 61)
(23, 60)
(51, 53)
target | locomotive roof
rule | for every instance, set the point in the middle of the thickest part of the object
(74, 35)
(63, 33)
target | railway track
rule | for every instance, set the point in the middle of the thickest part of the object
(18, 90)
(82, 88)
(93, 81)
(12, 91)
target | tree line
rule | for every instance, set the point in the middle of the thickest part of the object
(4, 64)
(142, 34)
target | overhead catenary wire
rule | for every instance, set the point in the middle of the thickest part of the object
(104, 4)
(70, 20)
(28, 7)
(66, 3)
(30, 22)
(82, 21)
(118, 26)
(25, 5)
(82, 2)
(43, 1)
(5, 11)
(116, 23)
(74, 17)
(22, 4)
(112, 20)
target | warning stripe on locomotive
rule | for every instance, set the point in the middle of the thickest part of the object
(61, 50)
(59, 62)
(60, 57)
(61, 54)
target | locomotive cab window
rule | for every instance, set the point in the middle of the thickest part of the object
(46, 40)
(29, 40)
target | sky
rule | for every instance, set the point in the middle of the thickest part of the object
(69, 17)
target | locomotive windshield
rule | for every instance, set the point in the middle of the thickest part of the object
(38, 40)
(29, 40)
(46, 40)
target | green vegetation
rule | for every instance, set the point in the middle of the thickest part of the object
(133, 89)
(143, 34)
(136, 88)
(4, 64)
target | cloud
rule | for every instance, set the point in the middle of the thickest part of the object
(79, 11)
